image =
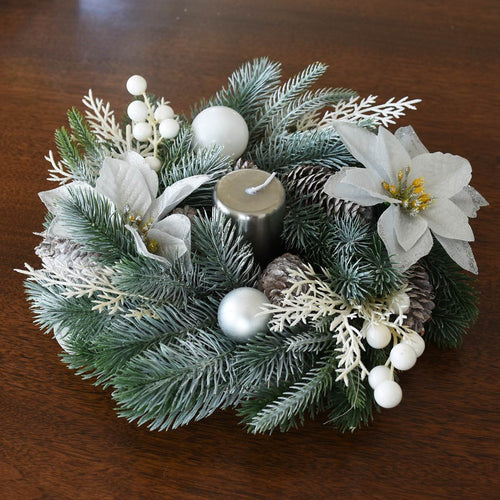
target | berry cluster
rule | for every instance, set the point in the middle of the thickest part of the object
(149, 122)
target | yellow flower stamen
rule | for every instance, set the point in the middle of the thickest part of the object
(412, 195)
(152, 245)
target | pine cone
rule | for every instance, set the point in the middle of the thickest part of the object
(54, 251)
(240, 165)
(308, 182)
(191, 212)
(421, 295)
(277, 276)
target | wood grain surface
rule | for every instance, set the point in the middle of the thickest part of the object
(60, 437)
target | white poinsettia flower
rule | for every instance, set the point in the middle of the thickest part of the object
(132, 185)
(428, 193)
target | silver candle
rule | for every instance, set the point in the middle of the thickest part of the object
(258, 213)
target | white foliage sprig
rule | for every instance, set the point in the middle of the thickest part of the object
(84, 281)
(103, 124)
(363, 111)
(310, 300)
(58, 173)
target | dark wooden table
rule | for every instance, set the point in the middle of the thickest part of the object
(60, 437)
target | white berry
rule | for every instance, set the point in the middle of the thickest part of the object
(388, 394)
(400, 303)
(403, 356)
(415, 341)
(378, 336)
(153, 162)
(136, 85)
(163, 112)
(142, 131)
(169, 128)
(137, 111)
(378, 374)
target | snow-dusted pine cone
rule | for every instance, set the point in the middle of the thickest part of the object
(278, 276)
(421, 295)
(191, 212)
(55, 252)
(240, 165)
(308, 182)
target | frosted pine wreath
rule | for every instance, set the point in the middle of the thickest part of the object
(280, 251)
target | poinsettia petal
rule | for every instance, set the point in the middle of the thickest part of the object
(336, 188)
(361, 144)
(135, 160)
(52, 197)
(390, 154)
(469, 201)
(410, 141)
(446, 219)
(124, 185)
(174, 194)
(369, 182)
(400, 258)
(444, 174)
(460, 251)
(141, 246)
(409, 228)
(173, 235)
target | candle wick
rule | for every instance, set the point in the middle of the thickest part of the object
(256, 189)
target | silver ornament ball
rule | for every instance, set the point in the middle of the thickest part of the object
(240, 314)
(221, 126)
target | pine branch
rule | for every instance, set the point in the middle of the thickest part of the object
(173, 384)
(267, 359)
(456, 301)
(93, 222)
(289, 409)
(346, 416)
(313, 147)
(226, 259)
(282, 96)
(128, 337)
(203, 161)
(154, 281)
(308, 103)
(248, 89)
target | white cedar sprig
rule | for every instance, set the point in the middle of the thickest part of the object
(84, 281)
(57, 173)
(363, 111)
(103, 124)
(311, 299)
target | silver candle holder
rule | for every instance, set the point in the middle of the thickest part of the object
(255, 201)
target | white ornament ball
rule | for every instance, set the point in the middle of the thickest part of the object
(162, 112)
(388, 394)
(240, 314)
(379, 374)
(169, 128)
(137, 111)
(378, 336)
(153, 162)
(400, 303)
(136, 85)
(142, 131)
(416, 342)
(403, 356)
(221, 126)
